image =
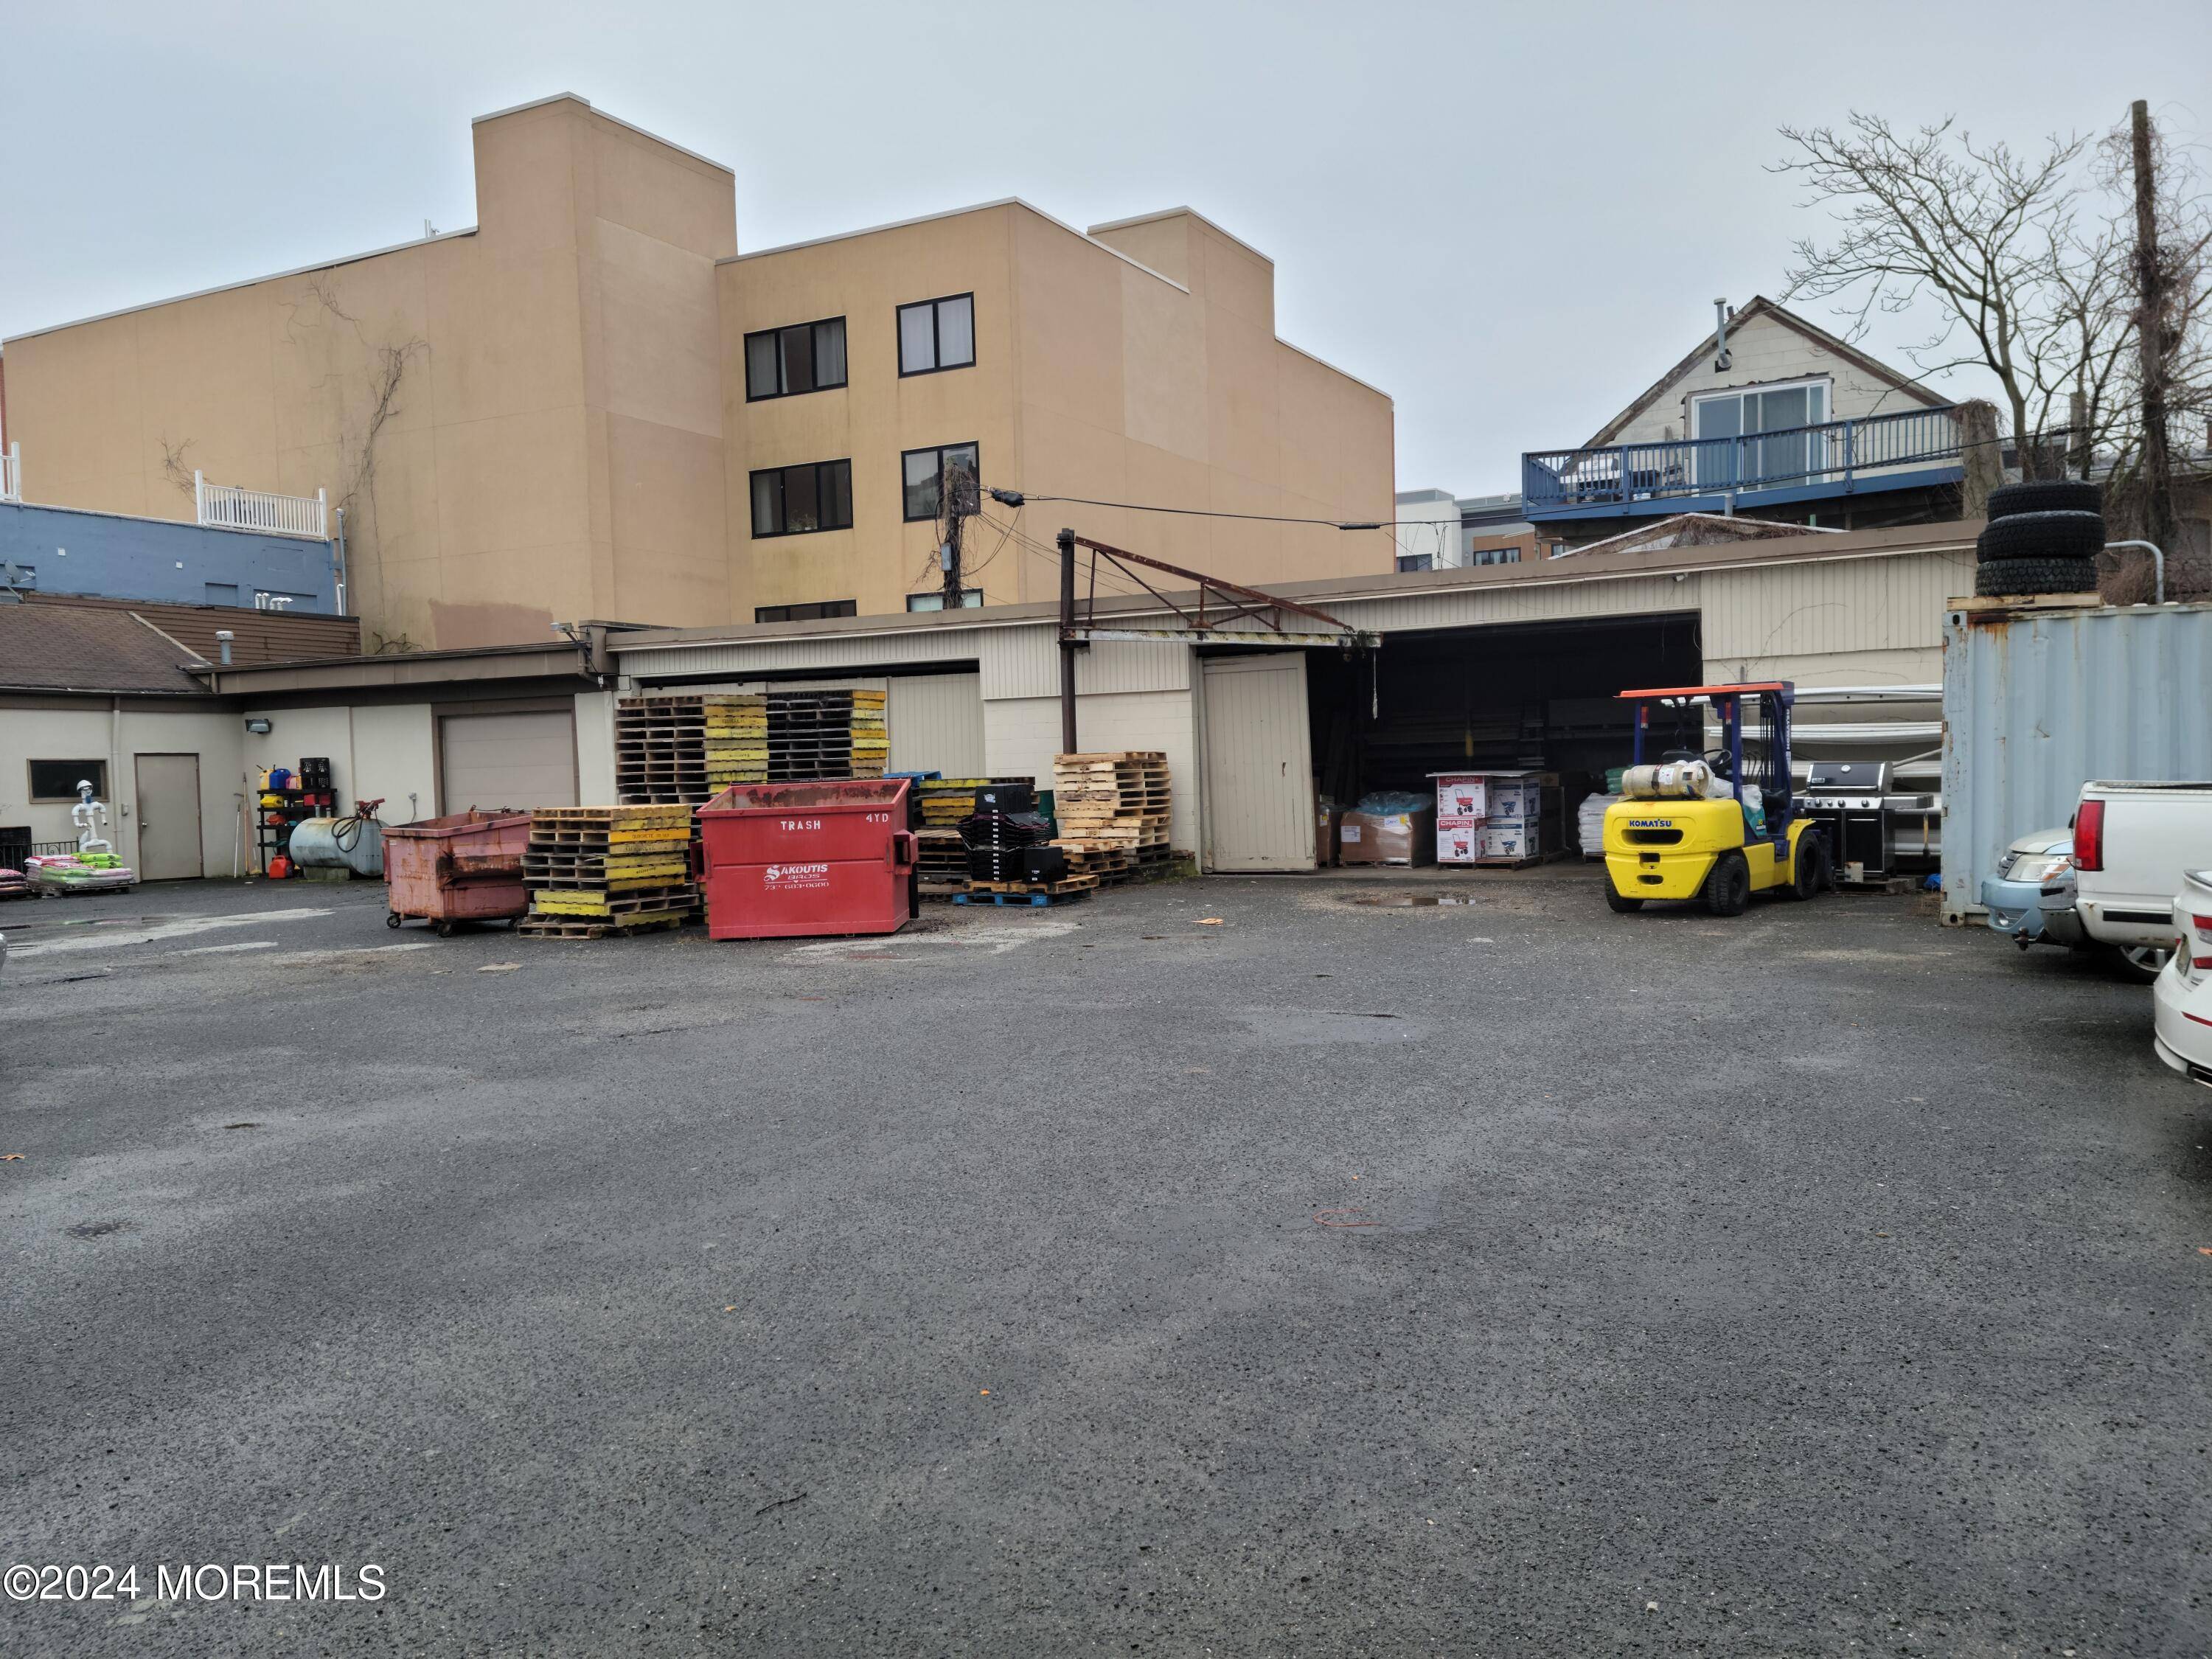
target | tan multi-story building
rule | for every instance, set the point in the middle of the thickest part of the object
(591, 405)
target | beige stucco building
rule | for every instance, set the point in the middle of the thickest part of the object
(557, 414)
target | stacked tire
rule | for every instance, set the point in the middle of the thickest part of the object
(2042, 538)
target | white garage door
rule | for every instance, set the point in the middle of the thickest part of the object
(507, 760)
(1258, 764)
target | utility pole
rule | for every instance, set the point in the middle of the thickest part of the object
(1066, 543)
(959, 501)
(2152, 342)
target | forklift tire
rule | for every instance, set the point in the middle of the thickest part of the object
(1816, 870)
(1727, 885)
(1616, 900)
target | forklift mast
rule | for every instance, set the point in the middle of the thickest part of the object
(1771, 703)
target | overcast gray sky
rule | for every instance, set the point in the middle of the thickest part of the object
(1511, 218)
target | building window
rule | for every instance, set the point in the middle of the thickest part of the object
(221, 592)
(1417, 561)
(57, 780)
(1786, 410)
(923, 471)
(815, 613)
(794, 500)
(971, 599)
(18, 575)
(782, 362)
(937, 334)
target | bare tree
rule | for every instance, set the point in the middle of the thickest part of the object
(2041, 272)
(174, 465)
(1985, 231)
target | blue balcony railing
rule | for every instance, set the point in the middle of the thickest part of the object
(1839, 458)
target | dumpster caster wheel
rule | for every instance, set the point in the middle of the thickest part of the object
(444, 930)
(391, 918)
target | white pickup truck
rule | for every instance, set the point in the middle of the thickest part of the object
(2132, 843)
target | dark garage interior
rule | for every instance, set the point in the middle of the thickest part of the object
(1539, 695)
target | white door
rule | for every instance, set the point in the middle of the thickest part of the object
(1259, 804)
(522, 761)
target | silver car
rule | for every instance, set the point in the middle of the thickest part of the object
(2030, 897)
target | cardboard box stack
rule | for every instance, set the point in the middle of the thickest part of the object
(1497, 817)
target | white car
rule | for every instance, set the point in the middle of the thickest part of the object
(2183, 991)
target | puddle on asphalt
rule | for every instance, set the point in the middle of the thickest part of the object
(1407, 900)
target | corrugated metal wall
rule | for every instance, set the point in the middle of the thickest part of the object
(2036, 705)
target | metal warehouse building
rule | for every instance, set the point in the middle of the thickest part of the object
(1498, 666)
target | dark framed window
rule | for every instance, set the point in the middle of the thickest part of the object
(769, 613)
(921, 477)
(796, 500)
(1417, 561)
(57, 780)
(782, 362)
(971, 599)
(937, 334)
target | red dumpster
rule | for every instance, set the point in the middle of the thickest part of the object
(467, 867)
(784, 859)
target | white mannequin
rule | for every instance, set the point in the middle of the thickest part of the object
(90, 817)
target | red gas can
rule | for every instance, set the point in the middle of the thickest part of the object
(786, 860)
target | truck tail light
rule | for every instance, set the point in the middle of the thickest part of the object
(2089, 835)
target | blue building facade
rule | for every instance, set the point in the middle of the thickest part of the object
(62, 550)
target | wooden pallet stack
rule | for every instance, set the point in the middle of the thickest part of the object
(871, 746)
(660, 749)
(736, 740)
(1112, 810)
(598, 871)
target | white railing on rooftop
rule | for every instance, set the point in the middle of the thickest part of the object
(11, 473)
(228, 506)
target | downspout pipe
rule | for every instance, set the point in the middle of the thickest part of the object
(339, 547)
(2158, 561)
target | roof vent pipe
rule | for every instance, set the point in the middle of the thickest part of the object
(223, 639)
(1722, 362)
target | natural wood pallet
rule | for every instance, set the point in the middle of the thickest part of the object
(533, 927)
(1068, 884)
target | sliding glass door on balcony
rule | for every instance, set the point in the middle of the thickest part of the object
(1753, 460)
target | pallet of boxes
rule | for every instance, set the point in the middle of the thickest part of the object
(598, 872)
(1112, 810)
(1500, 820)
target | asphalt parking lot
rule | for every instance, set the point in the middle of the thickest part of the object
(1504, 1277)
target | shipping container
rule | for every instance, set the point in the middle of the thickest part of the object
(2037, 700)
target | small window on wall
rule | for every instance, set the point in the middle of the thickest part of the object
(937, 334)
(782, 362)
(815, 613)
(57, 780)
(971, 599)
(797, 501)
(923, 476)
(1417, 561)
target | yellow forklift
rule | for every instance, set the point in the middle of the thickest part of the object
(1679, 837)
